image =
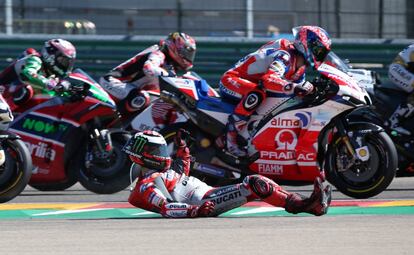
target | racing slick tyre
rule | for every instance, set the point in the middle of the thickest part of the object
(109, 175)
(55, 186)
(16, 171)
(363, 179)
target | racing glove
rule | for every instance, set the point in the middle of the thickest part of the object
(303, 89)
(51, 84)
(170, 73)
(62, 86)
(65, 85)
(181, 137)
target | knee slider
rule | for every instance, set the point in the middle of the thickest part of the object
(260, 185)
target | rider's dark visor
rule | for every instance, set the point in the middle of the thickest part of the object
(318, 50)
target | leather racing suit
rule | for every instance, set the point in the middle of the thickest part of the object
(28, 69)
(275, 67)
(194, 198)
(127, 81)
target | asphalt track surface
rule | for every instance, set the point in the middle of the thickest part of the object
(79, 222)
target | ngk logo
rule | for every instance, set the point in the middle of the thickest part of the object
(41, 150)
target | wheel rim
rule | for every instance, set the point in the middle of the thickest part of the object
(366, 173)
(111, 166)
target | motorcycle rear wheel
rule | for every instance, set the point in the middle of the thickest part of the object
(369, 178)
(16, 171)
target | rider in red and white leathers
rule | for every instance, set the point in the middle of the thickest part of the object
(279, 67)
(128, 81)
(170, 191)
(401, 73)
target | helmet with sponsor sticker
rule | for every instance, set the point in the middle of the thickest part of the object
(149, 149)
(59, 56)
(181, 48)
(313, 43)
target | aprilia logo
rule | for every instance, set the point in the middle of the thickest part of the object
(41, 150)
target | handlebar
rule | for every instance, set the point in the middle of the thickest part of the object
(324, 89)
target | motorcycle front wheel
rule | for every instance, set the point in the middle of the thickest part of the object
(363, 179)
(106, 176)
(16, 171)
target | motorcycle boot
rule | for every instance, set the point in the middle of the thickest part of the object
(317, 204)
(402, 112)
(234, 125)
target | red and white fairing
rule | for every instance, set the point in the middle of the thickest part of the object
(288, 143)
(159, 113)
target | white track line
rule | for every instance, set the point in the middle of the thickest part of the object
(259, 210)
(70, 211)
(144, 213)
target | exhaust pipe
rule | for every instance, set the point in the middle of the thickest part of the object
(172, 98)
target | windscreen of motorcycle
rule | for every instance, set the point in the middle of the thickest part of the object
(95, 90)
(333, 60)
(348, 86)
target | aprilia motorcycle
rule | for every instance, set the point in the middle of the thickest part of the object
(72, 137)
(290, 140)
(15, 166)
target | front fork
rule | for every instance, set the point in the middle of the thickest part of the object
(355, 146)
(99, 147)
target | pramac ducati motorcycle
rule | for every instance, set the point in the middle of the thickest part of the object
(73, 137)
(289, 140)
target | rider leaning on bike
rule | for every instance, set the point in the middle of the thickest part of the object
(124, 82)
(401, 73)
(41, 70)
(278, 66)
(166, 188)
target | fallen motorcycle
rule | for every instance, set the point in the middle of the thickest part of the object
(290, 140)
(73, 137)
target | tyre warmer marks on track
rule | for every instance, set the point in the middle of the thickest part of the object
(252, 209)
